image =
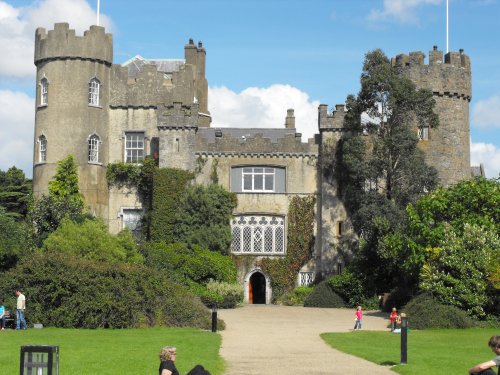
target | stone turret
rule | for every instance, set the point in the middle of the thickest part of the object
(67, 117)
(447, 148)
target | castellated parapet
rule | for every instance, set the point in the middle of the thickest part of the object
(62, 43)
(447, 147)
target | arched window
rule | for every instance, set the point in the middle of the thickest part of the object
(42, 149)
(94, 88)
(94, 148)
(44, 92)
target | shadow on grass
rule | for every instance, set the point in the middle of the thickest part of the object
(388, 363)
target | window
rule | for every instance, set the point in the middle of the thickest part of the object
(306, 278)
(258, 179)
(132, 219)
(94, 87)
(258, 234)
(44, 92)
(340, 228)
(42, 149)
(423, 133)
(371, 184)
(94, 148)
(134, 147)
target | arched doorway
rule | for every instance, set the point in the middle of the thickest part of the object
(257, 289)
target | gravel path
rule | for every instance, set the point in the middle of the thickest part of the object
(268, 339)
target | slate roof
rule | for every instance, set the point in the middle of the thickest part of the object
(167, 66)
(272, 133)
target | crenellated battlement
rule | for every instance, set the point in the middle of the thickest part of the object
(333, 121)
(448, 75)
(62, 43)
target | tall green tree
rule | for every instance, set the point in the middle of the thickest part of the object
(14, 240)
(15, 189)
(63, 201)
(378, 166)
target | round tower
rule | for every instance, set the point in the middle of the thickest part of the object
(72, 108)
(447, 147)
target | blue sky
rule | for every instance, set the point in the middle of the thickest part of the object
(263, 56)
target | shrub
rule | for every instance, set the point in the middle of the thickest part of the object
(324, 296)
(424, 311)
(296, 296)
(349, 287)
(195, 264)
(223, 295)
(65, 291)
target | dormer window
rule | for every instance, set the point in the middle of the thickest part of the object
(94, 89)
(44, 91)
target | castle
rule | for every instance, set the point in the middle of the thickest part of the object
(103, 113)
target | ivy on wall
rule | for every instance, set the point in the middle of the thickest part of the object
(169, 184)
(300, 243)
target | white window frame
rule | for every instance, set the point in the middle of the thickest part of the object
(42, 149)
(253, 173)
(423, 133)
(123, 214)
(306, 278)
(44, 92)
(134, 147)
(258, 234)
(93, 148)
(94, 92)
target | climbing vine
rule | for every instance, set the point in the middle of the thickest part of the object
(300, 243)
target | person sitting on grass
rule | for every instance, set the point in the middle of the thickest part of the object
(168, 354)
(486, 368)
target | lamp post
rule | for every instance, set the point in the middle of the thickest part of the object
(214, 318)
(39, 360)
(404, 340)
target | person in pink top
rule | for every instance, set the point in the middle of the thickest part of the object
(359, 318)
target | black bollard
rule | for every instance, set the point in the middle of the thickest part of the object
(404, 340)
(214, 318)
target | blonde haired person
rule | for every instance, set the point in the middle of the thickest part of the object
(168, 354)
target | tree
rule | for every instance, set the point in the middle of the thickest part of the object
(14, 240)
(203, 217)
(15, 189)
(64, 201)
(64, 184)
(456, 273)
(91, 240)
(378, 166)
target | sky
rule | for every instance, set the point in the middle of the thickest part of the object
(263, 56)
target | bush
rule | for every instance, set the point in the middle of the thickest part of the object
(296, 296)
(349, 287)
(194, 264)
(223, 295)
(65, 291)
(324, 296)
(424, 312)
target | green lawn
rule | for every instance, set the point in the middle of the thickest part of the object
(115, 352)
(430, 352)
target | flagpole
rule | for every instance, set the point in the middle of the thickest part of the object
(447, 37)
(98, 6)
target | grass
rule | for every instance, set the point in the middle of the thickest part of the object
(430, 352)
(115, 352)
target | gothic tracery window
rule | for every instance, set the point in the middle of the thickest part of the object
(258, 234)
(42, 149)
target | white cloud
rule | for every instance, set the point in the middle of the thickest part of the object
(16, 133)
(486, 113)
(17, 29)
(488, 155)
(263, 108)
(404, 11)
